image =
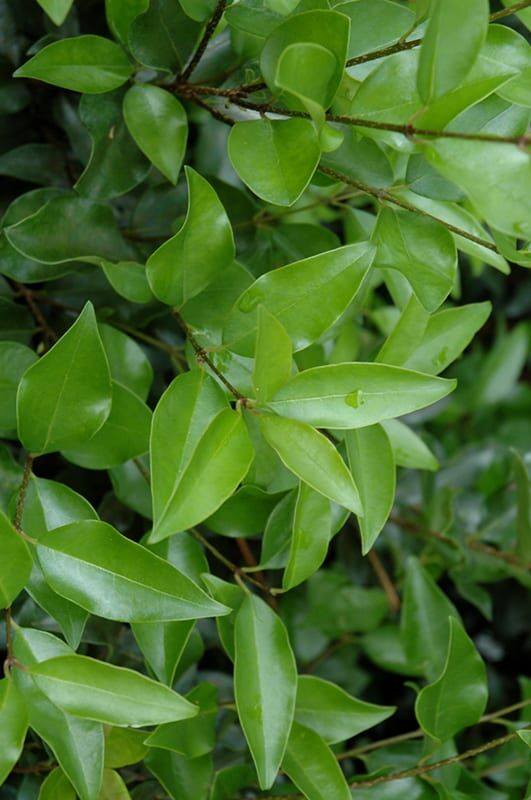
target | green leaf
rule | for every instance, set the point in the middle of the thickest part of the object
(388, 92)
(421, 249)
(312, 766)
(200, 10)
(458, 697)
(88, 232)
(356, 395)
(102, 692)
(194, 737)
(450, 46)
(128, 363)
(273, 358)
(424, 621)
(447, 334)
(375, 24)
(57, 10)
(77, 744)
(14, 726)
(124, 746)
(333, 713)
(121, 579)
(204, 246)
(523, 518)
(121, 13)
(408, 448)
(163, 645)
(163, 37)
(525, 736)
(89, 64)
(313, 458)
(159, 125)
(325, 283)
(208, 474)
(275, 158)
(372, 463)
(16, 562)
(501, 368)
(406, 335)
(265, 685)
(57, 785)
(182, 778)
(312, 529)
(113, 787)
(15, 359)
(232, 595)
(124, 434)
(65, 398)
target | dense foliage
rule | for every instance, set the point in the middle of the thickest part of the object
(252, 544)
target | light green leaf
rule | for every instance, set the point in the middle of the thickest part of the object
(307, 297)
(14, 726)
(372, 463)
(57, 785)
(57, 10)
(375, 24)
(232, 595)
(388, 92)
(124, 746)
(333, 713)
(273, 358)
(312, 766)
(121, 13)
(15, 359)
(525, 736)
(421, 249)
(501, 368)
(16, 562)
(447, 334)
(424, 621)
(159, 125)
(216, 467)
(275, 158)
(65, 398)
(408, 448)
(204, 246)
(93, 565)
(265, 685)
(313, 458)
(194, 737)
(113, 787)
(89, 64)
(128, 363)
(357, 395)
(124, 434)
(312, 529)
(458, 697)
(102, 692)
(162, 645)
(406, 335)
(450, 46)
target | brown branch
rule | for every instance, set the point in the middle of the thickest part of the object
(506, 12)
(207, 36)
(385, 581)
(487, 550)
(215, 112)
(50, 335)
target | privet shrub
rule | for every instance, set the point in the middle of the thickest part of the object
(230, 245)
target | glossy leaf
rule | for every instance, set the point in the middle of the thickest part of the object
(121, 13)
(313, 458)
(15, 359)
(265, 685)
(56, 785)
(128, 363)
(163, 645)
(408, 448)
(457, 699)
(375, 24)
(272, 361)
(194, 737)
(103, 692)
(232, 595)
(372, 463)
(186, 264)
(182, 778)
(333, 713)
(312, 766)
(357, 395)
(113, 786)
(16, 562)
(65, 398)
(275, 158)
(89, 64)
(163, 37)
(158, 124)
(312, 529)
(121, 579)
(293, 293)
(14, 726)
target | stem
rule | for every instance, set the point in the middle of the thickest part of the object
(385, 581)
(207, 36)
(382, 194)
(50, 336)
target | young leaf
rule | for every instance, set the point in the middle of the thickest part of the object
(16, 562)
(204, 246)
(124, 746)
(275, 158)
(159, 125)
(93, 565)
(65, 398)
(408, 448)
(265, 685)
(333, 713)
(57, 10)
(57, 785)
(272, 359)
(450, 45)
(14, 726)
(313, 458)
(406, 336)
(307, 297)
(88, 64)
(372, 463)
(312, 766)
(356, 395)
(216, 467)
(312, 529)
(458, 697)
(102, 692)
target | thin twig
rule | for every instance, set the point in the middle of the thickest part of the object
(207, 36)
(385, 581)
(50, 335)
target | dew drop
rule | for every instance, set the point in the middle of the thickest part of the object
(250, 300)
(354, 399)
